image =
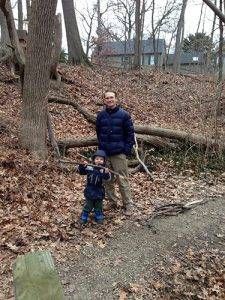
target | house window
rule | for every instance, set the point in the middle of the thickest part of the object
(151, 60)
(124, 58)
(195, 58)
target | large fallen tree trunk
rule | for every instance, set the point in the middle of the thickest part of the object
(92, 141)
(197, 139)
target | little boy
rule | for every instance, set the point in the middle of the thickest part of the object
(94, 191)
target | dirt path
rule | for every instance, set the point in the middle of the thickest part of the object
(135, 252)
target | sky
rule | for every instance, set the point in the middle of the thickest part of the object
(191, 16)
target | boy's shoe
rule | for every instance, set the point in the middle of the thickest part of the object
(84, 217)
(99, 217)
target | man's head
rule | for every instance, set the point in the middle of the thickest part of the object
(110, 99)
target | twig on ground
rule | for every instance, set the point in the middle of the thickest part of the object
(138, 158)
(172, 209)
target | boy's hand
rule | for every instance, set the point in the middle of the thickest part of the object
(106, 170)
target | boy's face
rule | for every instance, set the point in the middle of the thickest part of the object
(99, 160)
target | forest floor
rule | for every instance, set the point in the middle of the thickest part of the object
(182, 258)
(40, 204)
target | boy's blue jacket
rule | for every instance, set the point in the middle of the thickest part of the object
(94, 189)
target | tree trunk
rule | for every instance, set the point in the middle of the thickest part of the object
(137, 42)
(156, 142)
(153, 34)
(179, 38)
(216, 10)
(200, 18)
(37, 71)
(75, 50)
(213, 24)
(20, 14)
(220, 52)
(18, 51)
(4, 29)
(28, 6)
(99, 28)
(57, 47)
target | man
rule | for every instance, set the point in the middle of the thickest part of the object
(115, 132)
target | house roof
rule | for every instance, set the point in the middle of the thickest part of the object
(191, 57)
(118, 48)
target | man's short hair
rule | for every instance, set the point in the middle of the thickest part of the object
(110, 91)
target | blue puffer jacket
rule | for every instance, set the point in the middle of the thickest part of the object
(94, 189)
(115, 131)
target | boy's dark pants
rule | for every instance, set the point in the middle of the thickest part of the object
(97, 205)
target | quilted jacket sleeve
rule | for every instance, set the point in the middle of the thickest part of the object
(128, 134)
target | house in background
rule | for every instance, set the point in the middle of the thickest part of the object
(190, 62)
(121, 54)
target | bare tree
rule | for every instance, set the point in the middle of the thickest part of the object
(6, 54)
(57, 47)
(216, 10)
(75, 50)
(220, 52)
(37, 71)
(124, 11)
(138, 35)
(18, 53)
(20, 14)
(200, 17)
(179, 38)
(28, 7)
(214, 23)
(87, 21)
(162, 23)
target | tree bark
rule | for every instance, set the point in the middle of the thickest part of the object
(179, 38)
(37, 71)
(20, 14)
(137, 41)
(75, 49)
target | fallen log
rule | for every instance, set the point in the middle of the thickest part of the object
(88, 116)
(92, 141)
(197, 139)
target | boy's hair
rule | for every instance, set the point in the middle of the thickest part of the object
(110, 91)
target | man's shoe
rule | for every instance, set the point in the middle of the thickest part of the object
(128, 209)
(113, 205)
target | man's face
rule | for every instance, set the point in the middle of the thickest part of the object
(110, 100)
